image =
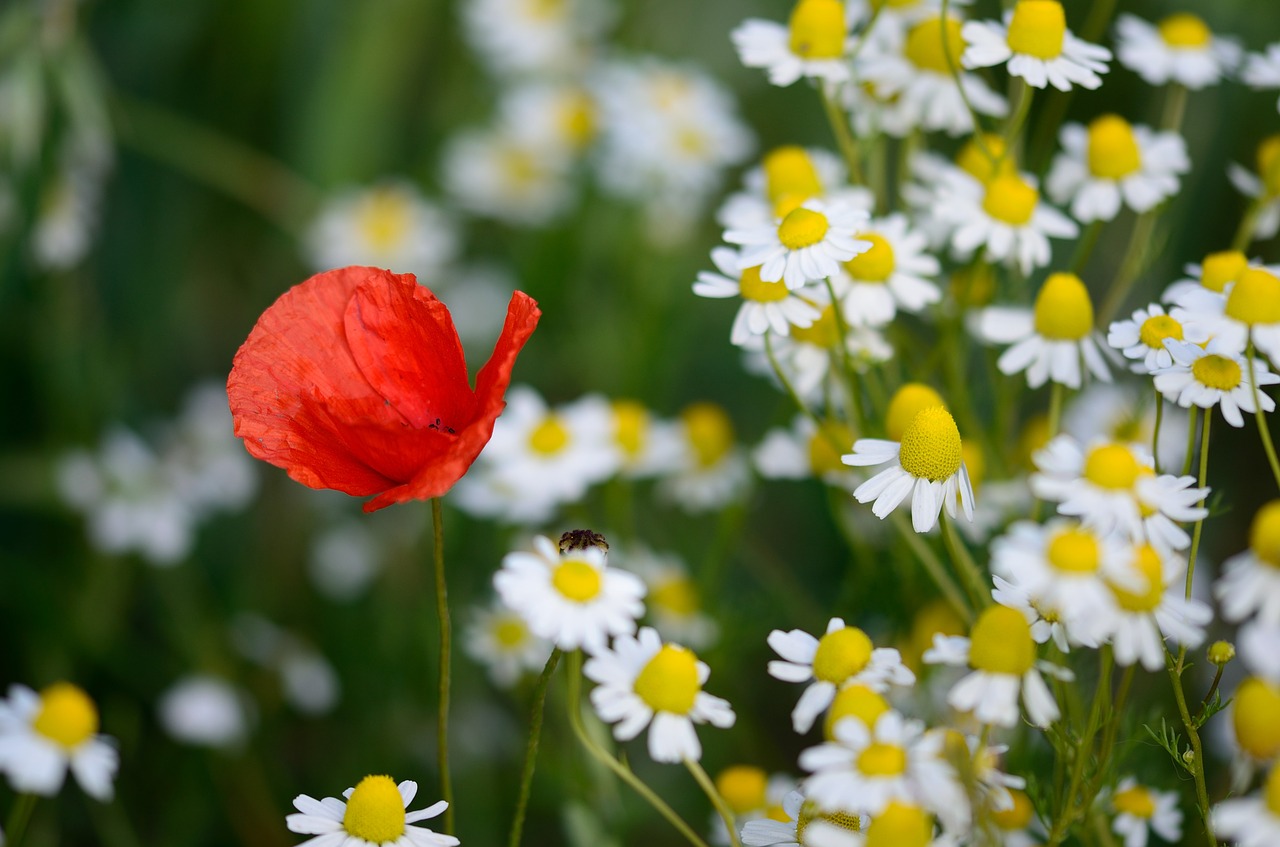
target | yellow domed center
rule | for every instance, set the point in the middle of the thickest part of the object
(882, 760)
(854, 701)
(1001, 642)
(824, 332)
(1010, 199)
(1254, 710)
(375, 811)
(841, 654)
(1220, 268)
(383, 217)
(630, 427)
(577, 119)
(789, 172)
(930, 447)
(710, 433)
(1074, 551)
(743, 787)
(809, 813)
(1063, 310)
(1112, 466)
(907, 402)
(1136, 801)
(1113, 149)
(1271, 791)
(753, 288)
(1017, 816)
(1264, 534)
(510, 632)
(973, 161)
(874, 265)
(824, 455)
(1037, 29)
(802, 228)
(1269, 164)
(577, 580)
(1217, 372)
(678, 596)
(924, 47)
(818, 29)
(669, 681)
(1156, 329)
(67, 715)
(1147, 566)
(1184, 29)
(549, 437)
(1255, 298)
(900, 825)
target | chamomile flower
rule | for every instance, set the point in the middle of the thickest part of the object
(519, 37)
(806, 451)
(927, 465)
(1141, 810)
(497, 173)
(1263, 187)
(1252, 821)
(1215, 375)
(1259, 642)
(560, 118)
(1253, 718)
(787, 176)
(712, 469)
(813, 44)
(1112, 161)
(1114, 412)
(644, 682)
(801, 824)
(1247, 309)
(372, 813)
(1002, 657)
(1152, 606)
(1053, 340)
(895, 273)
(672, 598)
(899, 825)
(1250, 581)
(1213, 274)
(843, 656)
(499, 638)
(387, 225)
(752, 795)
(765, 305)
(807, 243)
(1016, 822)
(204, 711)
(572, 598)
(1005, 217)
(1141, 338)
(646, 444)
(44, 735)
(1180, 49)
(1262, 70)
(1036, 44)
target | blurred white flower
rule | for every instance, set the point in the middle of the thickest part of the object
(387, 225)
(205, 711)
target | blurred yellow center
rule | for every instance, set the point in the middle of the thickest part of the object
(1074, 551)
(882, 760)
(975, 285)
(1255, 298)
(973, 161)
(1136, 801)
(743, 788)
(924, 44)
(1063, 309)
(1037, 29)
(1113, 149)
(802, 228)
(824, 332)
(383, 217)
(1184, 29)
(1112, 466)
(630, 426)
(519, 167)
(669, 682)
(375, 811)
(855, 701)
(1001, 642)
(679, 596)
(577, 580)
(509, 633)
(900, 825)
(907, 402)
(930, 447)
(1269, 164)
(577, 119)
(789, 172)
(1271, 791)
(1220, 268)
(1264, 534)
(1146, 564)
(824, 455)
(1010, 199)
(753, 288)
(841, 654)
(1216, 372)
(1156, 329)
(1254, 711)
(1017, 816)
(874, 265)
(549, 437)
(893, 4)
(67, 715)
(710, 432)
(975, 462)
(818, 29)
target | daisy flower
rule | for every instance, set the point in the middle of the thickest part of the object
(799, 823)
(806, 451)
(1141, 811)
(516, 38)
(672, 598)
(1051, 341)
(374, 813)
(499, 638)
(387, 225)
(807, 243)
(643, 682)
(751, 795)
(1118, 414)
(935, 179)
(43, 735)
(895, 273)
(712, 469)
(1214, 375)
(765, 305)
(1262, 70)
(1038, 47)
(500, 174)
(1004, 216)
(205, 711)
(1253, 718)
(1001, 655)
(1250, 581)
(646, 445)
(785, 178)
(1180, 49)
(1248, 308)
(1213, 274)
(1252, 821)
(1259, 642)
(1141, 338)
(1263, 187)
(1014, 823)
(572, 598)
(812, 44)
(900, 824)
(1154, 608)
(843, 656)
(1111, 161)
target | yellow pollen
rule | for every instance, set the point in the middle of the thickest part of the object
(788, 203)
(753, 288)
(669, 682)
(924, 44)
(549, 437)
(1269, 164)
(930, 446)
(841, 654)
(1001, 642)
(824, 332)
(1010, 200)
(973, 161)
(375, 811)
(802, 228)
(67, 715)
(1220, 268)
(678, 596)
(1255, 298)
(824, 457)
(1147, 565)
(510, 633)
(1217, 372)
(818, 29)
(1016, 817)
(576, 580)
(809, 813)
(876, 264)
(710, 432)
(1037, 29)
(1113, 467)
(882, 760)
(1271, 791)
(630, 426)
(383, 217)
(1264, 534)
(1073, 551)
(789, 172)
(1063, 310)
(1253, 715)
(907, 402)
(1184, 29)
(1156, 329)
(854, 701)
(900, 825)
(1136, 801)
(743, 788)
(1113, 149)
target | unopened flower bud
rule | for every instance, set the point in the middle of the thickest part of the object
(1221, 652)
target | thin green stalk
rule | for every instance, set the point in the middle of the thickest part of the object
(1204, 471)
(1071, 810)
(1191, 441)
(1057, 394)
(531, 749)
(851, 377)
(1244, 233)
(1155, 433)
(1084, 247)
(844, 135)
(722, 807)
(1175, 106)
(1196, 766)
(973, 576)
(953, 67)
(1013, 127)
(950, 590)
(19, 816)
(786, 383)
(442, 612)
(1130, 266)
(1263, 430)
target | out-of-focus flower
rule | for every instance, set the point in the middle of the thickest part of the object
(68, 210)
(1252, 821)
(1263, 187)
(500, 174)
(520, 37)
(712, 470)
(671, 597)
(812, 44)
(1141, 810)
(387, 225)
(1250, 581)
(1248, 309)
(1038, 47)
(1180, 49)
(498, 638)
(374, 813)
(43, 735)
(1262, 70)
(205, 711)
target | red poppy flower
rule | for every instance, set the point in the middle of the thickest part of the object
(355, 380)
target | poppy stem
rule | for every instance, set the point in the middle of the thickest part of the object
(442, 612)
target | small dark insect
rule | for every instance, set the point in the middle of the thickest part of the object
(439, 427)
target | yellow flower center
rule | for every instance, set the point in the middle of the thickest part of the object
(882, 760)
(577, 119)
(753, 288)
(375, 811)
(630, 426)
(1001, 642)
(818, 29)
(1147, 564)
(802, 228)
(854, 701)
(383, 217)
(1063, 310)
(1254, 711)
(549, 437)
(907, 402)
(710, 433)
(824, 455)
(1184, 29)
(1112, 466)
(545, 9)
(1269, 164)
(678, 596)
(900, 825)
(893, 4)
(1037, 29)
(876, 264)
(1010, 199)
(1216, 371)
(824, 332)
(789, 172)
(809, 813)
(669, 681)
(577, 580)
(1271, 791)
(930, 446)
(1074, 551)
(1220, 268)
(510, 632)
(1017, 816)
(1156, 329)
(1113, 149)
(1255, 298)
(924, 44)
(1264, 534)
(973, 161)
(1034, 437)
(1136, 801)
(975, 285)
(67, 715)
(519, 167)
(841, 654)
(743, 787)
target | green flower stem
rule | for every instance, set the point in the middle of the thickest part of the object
(531, 749)
(844, 135)
(1084, 247)
(1196, 766)
(953, 67)
(604, 757)
(855, 391)
(1013, 127)
(1204, 470)
(1244, 233)
(1175, 106)
(1263, 430)
(789, 388)
(1057, 394)
(978, 582)
(722, 807)
(1191, 441)
(1155, 433)
(1131, 266)
(950, 590)
(1070, 809)
(442, 612)
(19, 816)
